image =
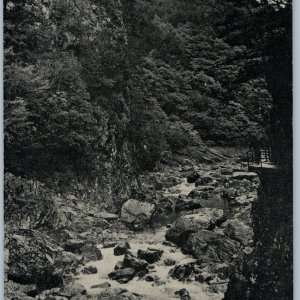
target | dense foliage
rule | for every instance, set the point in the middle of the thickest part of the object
(80, 76)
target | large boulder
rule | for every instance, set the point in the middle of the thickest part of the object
(121, 248)
(122, 275)
(206, 218)
(118, 294)
(237, 230)
(150, 255)
(137, 214)
(193, 177)
(35, 258)
(211, 246)
(130, 261)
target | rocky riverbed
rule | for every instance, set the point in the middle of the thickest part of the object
(177, 238)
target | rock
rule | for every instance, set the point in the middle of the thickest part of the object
(184, 272)
(90, 252)
(204, 180)
(103, 285)
(73, 289)
(244, 175)
(203, 188)
(206, 218)
(169, 262)
(34, 258)
(184, 294)
(230, 193)
(226, 171)
(121, 248)
(130, 261)
(118, 294)
(89, 270)
(237, 230)
(193, 177)
(169, 244)
(107, 216)
(183, 203)
(211, 246)
(137, 214)
(150, 255)
(122, 275)
(151, 277)
(204, 277)
(119, 265)
(74, 245)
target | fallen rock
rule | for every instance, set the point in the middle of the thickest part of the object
(89, 270)
(184, 272)
(150, 255)
(226, 171)
(130, 261)
(151, 278)
(121, 248)
(103, 285)
(169, 262)
(183, 294)
(122, 275)
(74, 245)
(34, 258)
(73, 289)
(106, 215)
(237, 230)
(184, 203)
(211, 246)
(137, 214)
(118, 294)
(193, 177)
(206, 218)
(90, 252)
(204, 180)
(244, 175)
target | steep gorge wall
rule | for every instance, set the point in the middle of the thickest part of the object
(268, 274)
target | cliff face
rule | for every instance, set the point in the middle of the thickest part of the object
(66, 107)
(268, 273)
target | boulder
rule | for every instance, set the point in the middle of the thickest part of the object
(73, 289)
(150, 255)
(106, 215)
(122, 275)
(130, 261)
(90, 252)
(193, 177)
(74, 245)
(184, 272)
(206, 218)
(183, 294)
(121, 248)
(170, 262)
(244, 175)
(89, 270)
(151, 278)
(211, 246)
(204, 180)
(184, 203)
(137, 214)
(237, 230)
(226, 171)
(118, 294)
(34, 258)
(103, 285)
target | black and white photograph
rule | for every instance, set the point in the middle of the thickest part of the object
(148, 149)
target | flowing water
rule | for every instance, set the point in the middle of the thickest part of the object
(154, 239)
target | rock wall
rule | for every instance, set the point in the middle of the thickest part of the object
(267, 273)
